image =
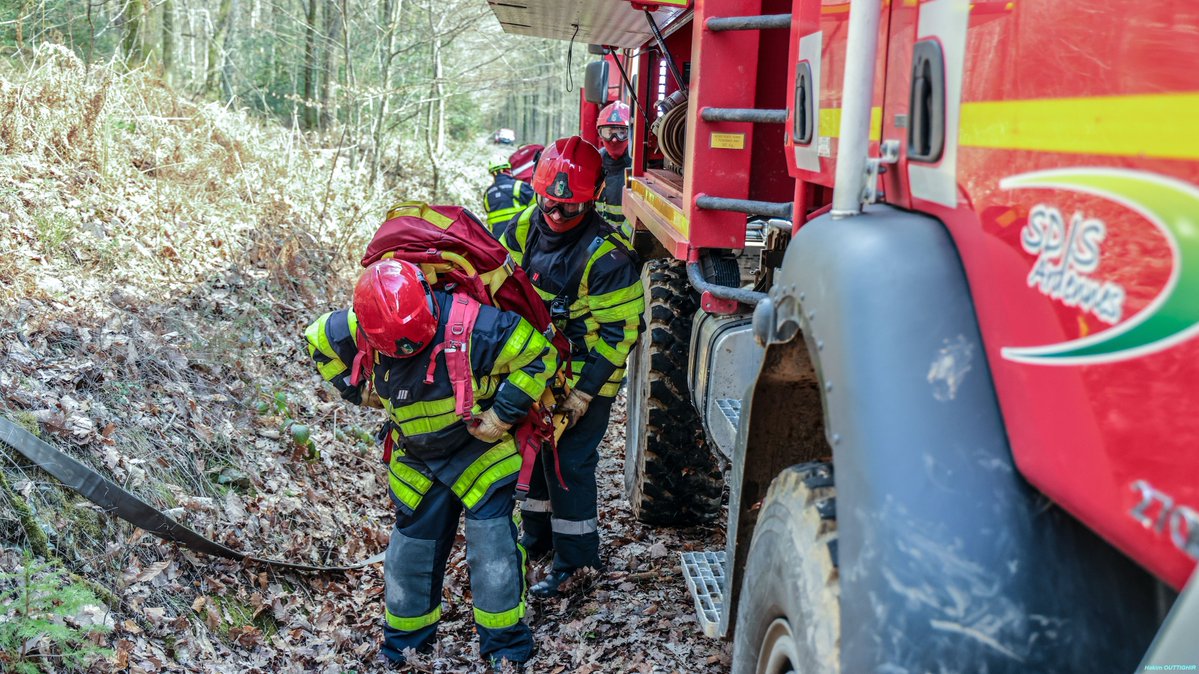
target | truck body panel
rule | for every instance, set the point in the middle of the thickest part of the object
(1075, 174)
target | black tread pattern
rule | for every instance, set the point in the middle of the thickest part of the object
(792, 573)
(678, 479)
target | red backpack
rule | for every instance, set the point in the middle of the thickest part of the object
(455, 251)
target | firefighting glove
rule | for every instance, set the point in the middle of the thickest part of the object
(575, 406)
(488, 427)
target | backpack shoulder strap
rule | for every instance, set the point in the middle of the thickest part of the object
(464, 312)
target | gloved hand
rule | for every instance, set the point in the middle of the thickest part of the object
(489, 427)
(575, 406)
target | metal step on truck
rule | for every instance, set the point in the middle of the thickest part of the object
(954, 408)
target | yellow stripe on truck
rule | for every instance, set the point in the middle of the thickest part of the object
(830, 122)
(1154, 125)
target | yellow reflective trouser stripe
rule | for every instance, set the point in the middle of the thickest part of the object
(413, 624)
(500, 620)
(499, 471)
(407, 484)
(491, 457)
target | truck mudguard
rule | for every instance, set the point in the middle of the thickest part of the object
(949, 561)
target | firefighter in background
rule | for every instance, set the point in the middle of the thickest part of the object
(613, 127)
(506, 197)
(438, 464)
(590, 281)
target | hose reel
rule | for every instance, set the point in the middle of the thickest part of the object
(671, 130)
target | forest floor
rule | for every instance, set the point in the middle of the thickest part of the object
(158, 263)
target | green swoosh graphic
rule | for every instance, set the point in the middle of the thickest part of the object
(1173, 316)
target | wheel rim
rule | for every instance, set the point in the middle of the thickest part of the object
(779, 654)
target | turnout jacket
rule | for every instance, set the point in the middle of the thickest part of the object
(592, 278)
(611, 198)
(511, 363)
(504, 200)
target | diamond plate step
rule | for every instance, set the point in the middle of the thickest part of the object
(731, 409)
(704, 572)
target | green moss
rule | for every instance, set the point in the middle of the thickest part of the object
(27, 421)
(235, 612)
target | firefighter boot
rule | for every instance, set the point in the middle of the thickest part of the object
(549, 586)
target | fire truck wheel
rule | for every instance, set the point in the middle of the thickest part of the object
(671, 476)
(789, 613)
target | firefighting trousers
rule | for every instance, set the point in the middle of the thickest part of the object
(414, 570)
(566, 520)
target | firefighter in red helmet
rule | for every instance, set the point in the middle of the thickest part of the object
(438, 464)
(578, 261)
(613, 127)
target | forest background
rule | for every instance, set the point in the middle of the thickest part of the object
(405, 89)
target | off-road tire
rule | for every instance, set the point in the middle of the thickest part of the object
(789, 613)
(672, 477)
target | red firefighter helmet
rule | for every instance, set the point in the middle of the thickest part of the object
(395, 308)
(613, 127)
(614, 114)
(570, 172)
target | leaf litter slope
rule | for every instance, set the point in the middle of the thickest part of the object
(158, 260)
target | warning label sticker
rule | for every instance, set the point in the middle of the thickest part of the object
(728, 141)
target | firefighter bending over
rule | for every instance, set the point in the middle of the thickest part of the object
(506, 197)
(438, 464)
(613, 127)
(589, 279)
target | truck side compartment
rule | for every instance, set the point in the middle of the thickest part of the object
(949, 560)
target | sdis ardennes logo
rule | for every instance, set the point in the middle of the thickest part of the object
(1068, 253)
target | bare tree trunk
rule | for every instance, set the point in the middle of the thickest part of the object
(131, 41)
(228, 47)
(310, 65)
(439, 94)
(168, 40)
(333, 28)
(216, 46)
(389, 17)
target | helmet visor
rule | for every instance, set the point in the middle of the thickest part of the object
(564, 210)
(614, 133)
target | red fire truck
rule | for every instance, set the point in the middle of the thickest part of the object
(954, 405)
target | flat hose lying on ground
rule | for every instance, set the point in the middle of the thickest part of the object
(116, 501)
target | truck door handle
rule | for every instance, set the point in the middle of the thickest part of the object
(926, 130)
(803, 125)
